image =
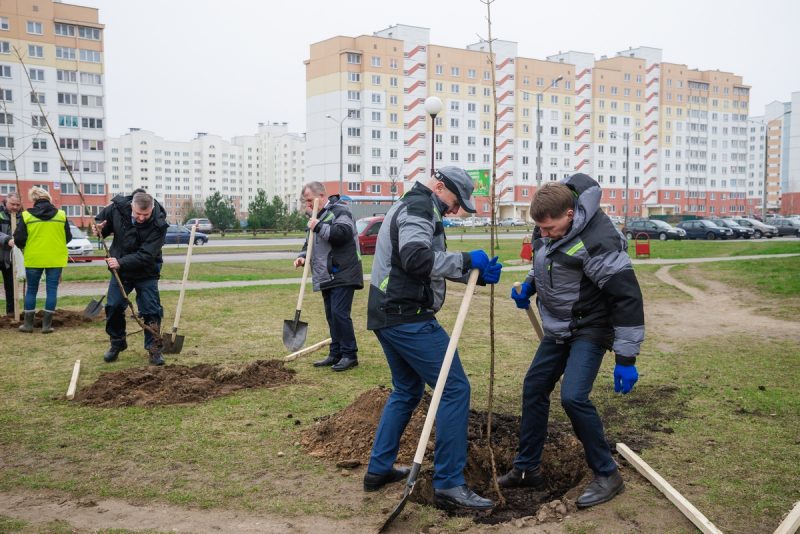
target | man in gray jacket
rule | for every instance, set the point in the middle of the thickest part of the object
(11, 207)
(335, 270)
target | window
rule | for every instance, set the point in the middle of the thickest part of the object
(4, 23)
(68, 121)
(6, 142)
(92, 144)
(90, 78)
(353, 77)
(66, 75)
(354, 59)
(90, 56)
(63, 52)
(34, 28)
(354, 168)
(5, 95)
(68, 143)
(40, 166)
(69, 99)
(39, 144)
(377, 98)
(375, 188)
(37, 98)
(94, 189)
(353, 131)
(6, 165)
(353, 186)
(376, 170)
(376, 79)
(92, 34)
(6, 118)
(67, 30)
(455, 71)
(37, 75)
(36, 51)
(90, 122)
(5, 71)
(5, 47)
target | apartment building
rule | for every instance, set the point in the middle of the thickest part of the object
(61, 45)
(182, 174)
(660, 137)
(770, 147)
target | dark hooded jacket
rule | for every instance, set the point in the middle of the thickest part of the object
(43, 210)
(584, 282)
(137, 247)
(5, 235)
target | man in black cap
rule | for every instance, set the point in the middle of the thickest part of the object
(407, 289)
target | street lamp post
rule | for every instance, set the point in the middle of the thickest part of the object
(433, 106)
(539, 132)
(341, 149)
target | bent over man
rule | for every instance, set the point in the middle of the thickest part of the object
(589, 301)
(139, 225)
(407, 289)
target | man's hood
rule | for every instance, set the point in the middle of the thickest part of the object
(587, 194)
(43, 210)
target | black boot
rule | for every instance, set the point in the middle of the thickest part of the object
(344, 364)
(155, 357)
(47, 322)
(327, 362)
(522, 479)
(117, 346)
(27, 325)
(460, 497)
(373, 482)
(601, 489)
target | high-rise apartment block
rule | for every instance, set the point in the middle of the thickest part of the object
(62, 47)
(660, 137)
(182, 174)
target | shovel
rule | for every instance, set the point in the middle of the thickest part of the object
(295, 330)
(93, 308)
(437, 396)
(173, 343)
(531, 315)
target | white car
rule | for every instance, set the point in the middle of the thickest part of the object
(80, 245)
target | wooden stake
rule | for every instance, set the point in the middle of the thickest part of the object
(308, 350)
(73, 383)
(692, 513)
(791, 524)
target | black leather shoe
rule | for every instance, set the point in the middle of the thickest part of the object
(460, 497)
(113, 351)
(344, 364)
(601, 489)
(373, 482)
(523, 479)
(330, 360)
(156, 358)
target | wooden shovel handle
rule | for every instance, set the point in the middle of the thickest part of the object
(14, 270)
(183, 283)
(445, 370)
(307, 264)
(531, 315)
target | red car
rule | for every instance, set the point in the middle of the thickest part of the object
(367, 229)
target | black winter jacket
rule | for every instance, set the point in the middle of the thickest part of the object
(5, 235)
(137, 247)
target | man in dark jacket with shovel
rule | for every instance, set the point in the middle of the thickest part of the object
(139, 225)
(335, 270)
(407, 288)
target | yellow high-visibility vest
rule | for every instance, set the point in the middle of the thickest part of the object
(47, 242)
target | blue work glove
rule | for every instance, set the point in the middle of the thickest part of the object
(480, 260)
(491, 275)
(625, 376)
(523, 298)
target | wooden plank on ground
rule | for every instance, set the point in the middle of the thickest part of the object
(308, 350)
(693, 514)
(73, 383)
(791, 524)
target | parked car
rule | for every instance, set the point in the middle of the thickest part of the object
(481, 221)
(510, 221)
(452, 221)
(179, 235)
(367, 229)
(80, 246)
(705, 229)
(617, 219)
(738, 229)
(759, 228)
(655, 229)
(203, 225)
(787, 226)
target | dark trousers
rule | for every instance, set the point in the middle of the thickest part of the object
(8, 285)
(415, 353)
(579, 362)
(148, 303)
(338, 303)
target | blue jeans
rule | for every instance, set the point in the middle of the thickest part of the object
(415, 353)
(578, 361)
(51, 277)
(338, 303)
(148, 303)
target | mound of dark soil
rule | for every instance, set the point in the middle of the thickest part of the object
(348, 435)
(178, 384)
(61, 319)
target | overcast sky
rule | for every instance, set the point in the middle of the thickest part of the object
(177, 67)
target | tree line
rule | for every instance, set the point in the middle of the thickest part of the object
(262, 213)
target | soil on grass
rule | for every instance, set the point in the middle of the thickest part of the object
(179, 384)
(61, 319)
(346, 438)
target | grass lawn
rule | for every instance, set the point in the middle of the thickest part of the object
(732, 448)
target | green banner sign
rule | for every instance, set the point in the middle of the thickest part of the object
(481, 179)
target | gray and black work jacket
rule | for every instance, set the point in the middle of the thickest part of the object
(411, 262)
(584, 282)
(336, 261)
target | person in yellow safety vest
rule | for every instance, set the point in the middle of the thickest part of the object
(43, 235)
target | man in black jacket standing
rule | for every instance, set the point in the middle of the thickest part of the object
(139, 225)
(11, 207)
(335, 270)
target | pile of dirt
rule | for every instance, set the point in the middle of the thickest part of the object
(61, 319)
(346, 437)
(178, 384)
